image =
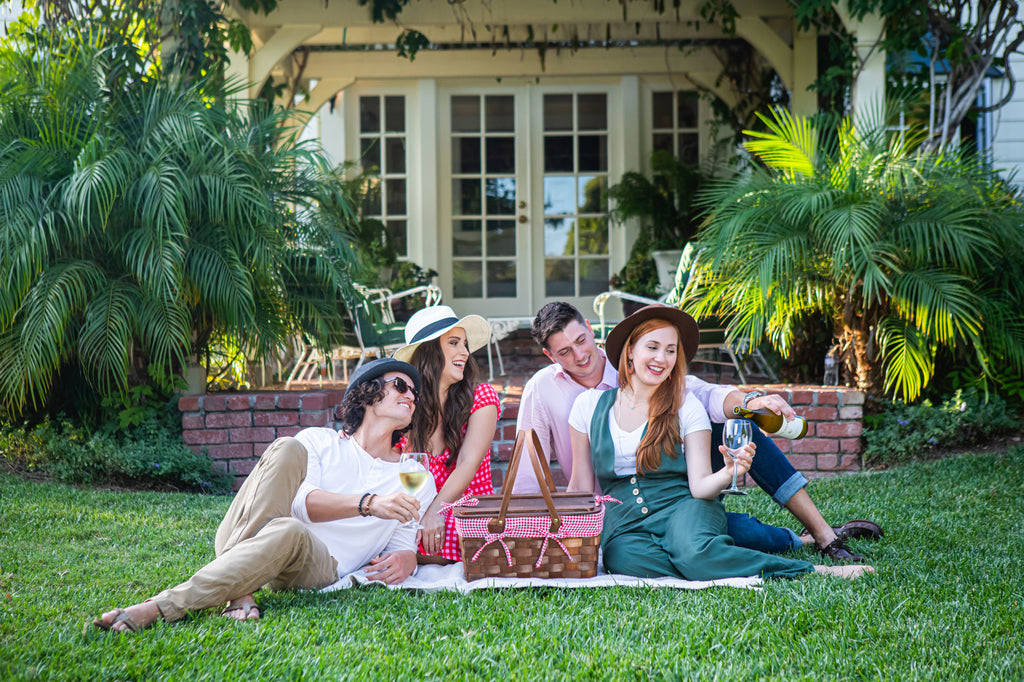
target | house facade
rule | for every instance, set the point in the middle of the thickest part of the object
(495, 142)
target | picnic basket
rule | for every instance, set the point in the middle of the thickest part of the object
(551, 535)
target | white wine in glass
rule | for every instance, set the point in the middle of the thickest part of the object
(735, 435)
(413, 474)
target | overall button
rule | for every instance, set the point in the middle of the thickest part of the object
(643, 510)
(632, 480)
(640, 500)
(636, 491)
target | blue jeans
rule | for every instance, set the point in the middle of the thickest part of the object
(776, 476)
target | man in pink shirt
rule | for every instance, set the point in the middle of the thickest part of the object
(568, 341)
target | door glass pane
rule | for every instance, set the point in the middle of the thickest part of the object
(593, 237)
(593, 153)
(466, 197)
(593, 112)
(395, 201)
(559, 195)
(395, 154)
(501, 155)
(689, 148)
(500, 112)
(591, 196)
(466, 239)
(688, 109)
(663, 142)
(394, 114)
(371, 201)
(558, 154)
(501, 238)
(558, 237)
(501, 196)
(661, 103)
(557, 112)
(465, 154)
(501, 279)
(466, 114)
(396, 228)
(593, 276)
(369, 114)
(558, 277)
(467, 280)
(369, 152)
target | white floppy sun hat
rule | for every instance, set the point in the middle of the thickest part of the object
(431, 322)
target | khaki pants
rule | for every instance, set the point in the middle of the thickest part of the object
(258, 542)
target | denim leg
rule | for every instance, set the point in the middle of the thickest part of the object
(746, 531)
(771, 470)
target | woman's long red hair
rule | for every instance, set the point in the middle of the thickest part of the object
(663, 409)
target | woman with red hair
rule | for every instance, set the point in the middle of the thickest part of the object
(648, 443)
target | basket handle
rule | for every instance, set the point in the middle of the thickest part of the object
(529, 439)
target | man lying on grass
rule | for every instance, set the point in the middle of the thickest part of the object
(315, 508)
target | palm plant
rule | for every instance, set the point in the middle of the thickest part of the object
(908, 253)
(140, 222)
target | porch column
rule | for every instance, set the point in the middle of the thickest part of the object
(424, 221)
(869, 81)
(805, 70)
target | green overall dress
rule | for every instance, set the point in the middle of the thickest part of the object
(662, 530)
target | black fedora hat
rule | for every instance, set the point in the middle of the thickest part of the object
(379, 368)
(689, 333)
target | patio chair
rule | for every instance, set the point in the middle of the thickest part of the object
(713, 342)
(375, 334)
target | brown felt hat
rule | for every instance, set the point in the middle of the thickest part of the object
(689, 334)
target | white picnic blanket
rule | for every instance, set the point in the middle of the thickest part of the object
(434, 578)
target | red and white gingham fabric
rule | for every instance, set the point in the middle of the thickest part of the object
(573, 525)
(480, 485)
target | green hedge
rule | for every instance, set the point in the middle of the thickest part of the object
(908, 432)
(148, 455)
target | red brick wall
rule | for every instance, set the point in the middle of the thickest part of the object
(237, 428)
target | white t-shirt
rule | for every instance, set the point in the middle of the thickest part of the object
(692, 417)
(339, 465)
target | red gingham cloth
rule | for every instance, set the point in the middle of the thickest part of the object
(573, 525)
(480, 485)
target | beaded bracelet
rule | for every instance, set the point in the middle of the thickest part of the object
(369, 502)
(361, 500)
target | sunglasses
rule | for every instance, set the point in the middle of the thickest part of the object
(402, 386)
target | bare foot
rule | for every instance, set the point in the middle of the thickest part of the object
(132, 619)
(849, 572)
(243, 608)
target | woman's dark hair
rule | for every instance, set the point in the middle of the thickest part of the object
(429, 361)
(353, 406)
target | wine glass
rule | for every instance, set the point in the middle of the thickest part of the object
(735, 435)
(413, 474)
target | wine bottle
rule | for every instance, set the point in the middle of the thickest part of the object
(774, 424)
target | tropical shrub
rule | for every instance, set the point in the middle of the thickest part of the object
(902, 432)
(141, 222)
(906, 253)
(149, 454)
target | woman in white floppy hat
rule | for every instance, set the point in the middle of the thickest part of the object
(456, 417)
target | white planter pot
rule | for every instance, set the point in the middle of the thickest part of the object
(666, 262)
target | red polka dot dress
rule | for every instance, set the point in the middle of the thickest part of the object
(481, 484)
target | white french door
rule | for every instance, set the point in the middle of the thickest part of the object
(523, 215)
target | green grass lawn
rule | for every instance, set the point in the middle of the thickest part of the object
(946, 602)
